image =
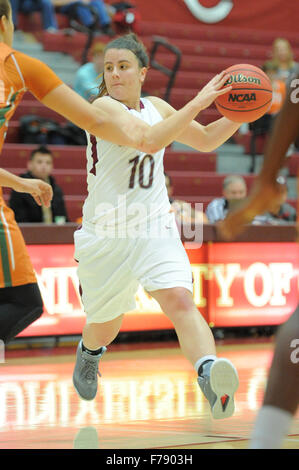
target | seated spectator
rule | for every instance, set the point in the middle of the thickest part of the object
(282, 212)
(88, 78)
(82, 11)
(183, 210)
(125, 16)
(283, 57)
(29, 6)
(24, 206)
(234, 189)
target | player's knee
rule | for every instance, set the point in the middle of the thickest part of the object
(180, 302)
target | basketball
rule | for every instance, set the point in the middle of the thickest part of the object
(250, 97)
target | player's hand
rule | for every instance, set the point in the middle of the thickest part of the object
(212, 90)
(263, 198)
(41, 192)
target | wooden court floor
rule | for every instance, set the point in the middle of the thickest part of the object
(148, 398)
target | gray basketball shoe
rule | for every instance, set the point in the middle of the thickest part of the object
(218, 382)
(85, 378)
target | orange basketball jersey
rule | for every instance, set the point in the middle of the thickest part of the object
(18, 73)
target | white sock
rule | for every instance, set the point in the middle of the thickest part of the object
(203, 359)
(271, 427)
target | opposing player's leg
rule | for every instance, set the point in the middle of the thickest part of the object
(19, 307)
(20, 299)
(282, 392)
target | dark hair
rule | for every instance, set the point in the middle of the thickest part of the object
(5, 8)
(42, 149)
(132, 43)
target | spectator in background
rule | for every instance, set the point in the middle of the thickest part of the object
(24, 206)
(278, 85)
(29, 6)
(234, 190)
(283, 57)
(125, 17)
(82, 11)
(88, 78)
(183, 210)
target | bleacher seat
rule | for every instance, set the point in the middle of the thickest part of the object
(198, 183)
(220, 33)
(17, 156)
(189, 161)
(233, 51)
(35, 107)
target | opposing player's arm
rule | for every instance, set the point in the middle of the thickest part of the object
(285, 132)
(201, 138)
(41, 192)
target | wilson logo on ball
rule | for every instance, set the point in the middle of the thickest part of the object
(241, 97)
(240, 78)
(248, 96)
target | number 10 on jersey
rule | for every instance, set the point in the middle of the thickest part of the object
(138, 171)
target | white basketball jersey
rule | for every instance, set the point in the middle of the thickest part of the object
(125, 186)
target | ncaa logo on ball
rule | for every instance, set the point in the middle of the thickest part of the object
(241, 97)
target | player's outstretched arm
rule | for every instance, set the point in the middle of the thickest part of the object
(266, 190)
(41, 192)
(202, 138)
(108, 120)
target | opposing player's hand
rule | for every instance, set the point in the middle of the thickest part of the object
(41, 192)
(263, 198)
(212, 90)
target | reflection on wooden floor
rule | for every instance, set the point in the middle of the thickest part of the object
(148, 399)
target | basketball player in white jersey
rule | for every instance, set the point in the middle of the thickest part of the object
(128, 233)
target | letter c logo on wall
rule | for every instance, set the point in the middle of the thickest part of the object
(211, 14)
